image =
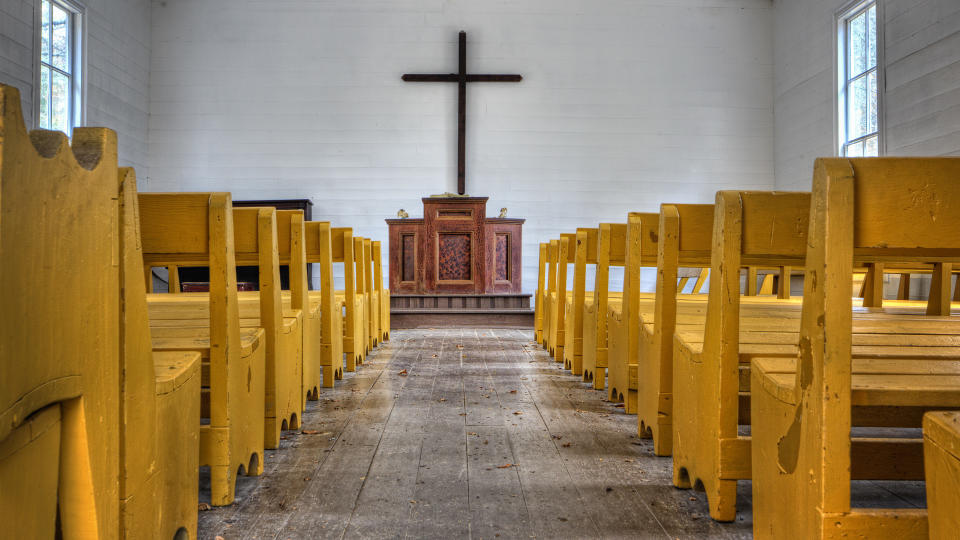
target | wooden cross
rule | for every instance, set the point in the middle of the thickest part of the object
(462, 78)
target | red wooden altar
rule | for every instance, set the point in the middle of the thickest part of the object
(455, 249)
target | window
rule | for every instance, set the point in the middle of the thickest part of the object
(858, 104)
(59, 89)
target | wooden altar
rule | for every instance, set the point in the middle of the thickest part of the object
(455, 249)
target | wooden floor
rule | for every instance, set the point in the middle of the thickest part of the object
(467, 433)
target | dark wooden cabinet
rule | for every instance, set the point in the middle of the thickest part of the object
(455, 249)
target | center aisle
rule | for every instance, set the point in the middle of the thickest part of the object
(464, 433)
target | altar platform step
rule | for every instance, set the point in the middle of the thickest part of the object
(460, 310)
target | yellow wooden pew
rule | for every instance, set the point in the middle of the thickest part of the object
(59, 368)
(566, 249)
(354, 341)
(585, 253)
(611, 251)
(540, 298)
(382, 292)
(198, 228)
(623, 318)
(327, 330)
(941, 463)
(160, 452)
(85, 406)
(549, 317)
(256, 243)
(804, 406)
(685, 233)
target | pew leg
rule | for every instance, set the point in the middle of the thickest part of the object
(722, 499)
(223, 483)
(329, 375)
(630, 402)
(600, 378)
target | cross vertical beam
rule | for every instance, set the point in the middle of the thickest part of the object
(462, 118)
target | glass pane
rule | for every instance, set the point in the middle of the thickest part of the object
(61, 39)
(872, 102)
(44, 98)
(871, 147)
(45, 31)
(855, 149)
(857, 45)
(857, 108)
(871, 37)
(60, 103)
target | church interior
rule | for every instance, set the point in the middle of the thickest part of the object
(458, 269)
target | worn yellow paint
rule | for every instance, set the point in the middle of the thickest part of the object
(863, 211)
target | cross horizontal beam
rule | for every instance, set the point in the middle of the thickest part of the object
(454, 77)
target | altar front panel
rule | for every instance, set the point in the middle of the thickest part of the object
(455, 249)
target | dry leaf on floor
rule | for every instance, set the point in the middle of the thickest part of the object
(442, 399)
(472, 433)
(567, 445)
(459, 346)
(513, 391)
(403, 373)
(203, 507)
(517, 412)
(507, 466)
(435, 356)
(309, 432)
(628, 460)
(557, 437)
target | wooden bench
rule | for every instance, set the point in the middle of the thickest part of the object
(750, 229)
(941, 462)
(198, 228)
(383, 293)
(256, 244)
(372, 295)
(328, 329)
(585, 253)
(685, 234)
(623, 318)
(611, 251)
(540, 298)
(803, 453)
(354, 341)
(160, 452)
(566, 250)
(72, 425)
(59, 371)
(549, 317)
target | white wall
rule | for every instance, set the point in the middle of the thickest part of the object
(921, 97)
(117, 66)
(624, 104)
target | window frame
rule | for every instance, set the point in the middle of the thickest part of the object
(842, 80)
(78, 62)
